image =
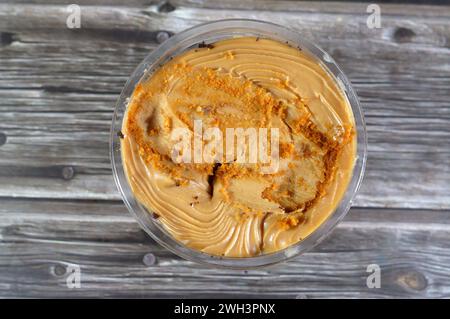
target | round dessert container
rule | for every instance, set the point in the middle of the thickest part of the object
(212, 32)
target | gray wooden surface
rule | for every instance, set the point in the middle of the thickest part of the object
(59, 205)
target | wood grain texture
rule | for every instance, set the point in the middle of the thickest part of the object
(412, 250)
(59, 87)
(59, 204)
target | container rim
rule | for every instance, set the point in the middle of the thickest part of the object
(211, 32)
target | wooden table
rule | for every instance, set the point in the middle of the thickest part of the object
(59, 205)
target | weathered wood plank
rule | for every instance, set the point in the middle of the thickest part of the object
(422, 31)
(57, 90)
(40, 238)
(58, 87)
(401, 7)
(387, 182)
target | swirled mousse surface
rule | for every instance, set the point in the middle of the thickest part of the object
(229, 208)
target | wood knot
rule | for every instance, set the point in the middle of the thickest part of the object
(58, 270)
(2, 138)
(166, 7)
(162, 36)
(68, 172)
(149, 259)
(412, 280)
(6, 38)
(403, 35)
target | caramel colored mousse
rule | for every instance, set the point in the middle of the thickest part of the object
(233, 209)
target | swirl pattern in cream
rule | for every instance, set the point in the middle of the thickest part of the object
(229, 208)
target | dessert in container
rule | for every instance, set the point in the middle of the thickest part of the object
(211, 33)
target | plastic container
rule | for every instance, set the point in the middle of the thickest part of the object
(212, 32)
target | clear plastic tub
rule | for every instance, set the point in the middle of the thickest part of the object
(212, 32)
